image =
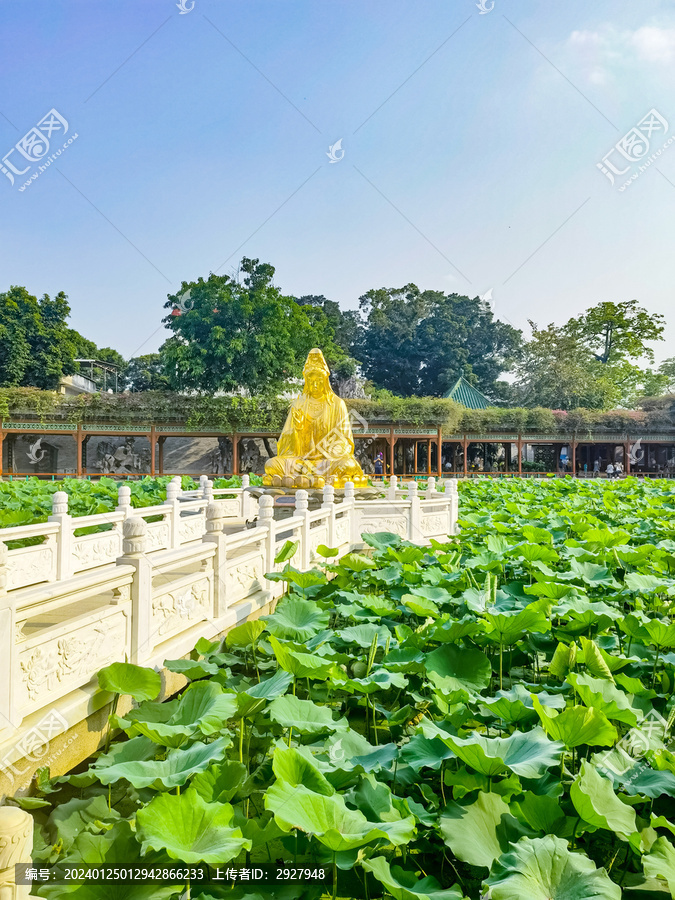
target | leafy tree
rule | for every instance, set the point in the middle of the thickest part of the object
(591, 361)
(667, 370)
(420, 342)
(35, 345)
(230, 335)
(344, 325)
(146, 373)
(556, 371)
(86, 349)
(616, 332)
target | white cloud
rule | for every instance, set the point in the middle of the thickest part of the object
(598, 53)
(655, 44)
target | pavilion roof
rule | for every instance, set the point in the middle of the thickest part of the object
(467, 395)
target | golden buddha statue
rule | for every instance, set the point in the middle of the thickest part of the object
(316, 446)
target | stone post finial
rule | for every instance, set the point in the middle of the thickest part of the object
(412, 489)
(60, 504)
(349, 490)
(301, 501)
(245, 481)
(431, 485)
(172, 491)
(124, 496)
(208, 490)
(215, 516)
(266, 507)
(328, 498)
(135, 531)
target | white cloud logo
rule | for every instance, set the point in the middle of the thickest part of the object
(335, 152)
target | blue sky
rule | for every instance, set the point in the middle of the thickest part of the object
(471, 144)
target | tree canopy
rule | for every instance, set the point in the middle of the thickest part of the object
(146, 373)
(416, 342)
(36, 345)
(592, 360)
(229, 336)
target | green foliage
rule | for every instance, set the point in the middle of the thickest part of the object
(135, 681)
(420, 342)
(356, 730)
(146, 373)
(591, 360)
(36, 345)
(229, 335)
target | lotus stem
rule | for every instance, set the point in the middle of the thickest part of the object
(241, 740)
(656, 662)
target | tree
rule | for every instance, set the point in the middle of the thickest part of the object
(558, 372)
(229, 335)
(414, 342)
(35, 344)
(146, 373)
(667, 370)
(616, 332)
(591, 361)
(86, 349)
(343, 325)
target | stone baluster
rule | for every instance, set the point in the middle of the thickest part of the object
(349, 507)
(16, 846)
(208, 490)
(64, 537)
(245, 502)
(328, 502)
(134, 547)
(431, 487)
(173, 490)
(202, 483)
(8, 672)
(3, 569)
(302, 510)
(391, 490)
(454, 505)
(124, 500)
(215, 523)
(414, 531)
(266, 520)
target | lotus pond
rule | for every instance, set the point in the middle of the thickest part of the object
(30, 500)
(486, 717)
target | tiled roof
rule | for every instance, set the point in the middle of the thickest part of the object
(467, 395)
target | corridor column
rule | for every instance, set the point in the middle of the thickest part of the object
(235, 453)
(78, 443)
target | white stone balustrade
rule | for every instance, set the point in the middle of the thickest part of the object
(16, 846)
(151, 581)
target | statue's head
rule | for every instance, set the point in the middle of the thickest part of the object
(316, 374)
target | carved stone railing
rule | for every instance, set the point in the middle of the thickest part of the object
(61, 551)
(150, 582)
(16, 846)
